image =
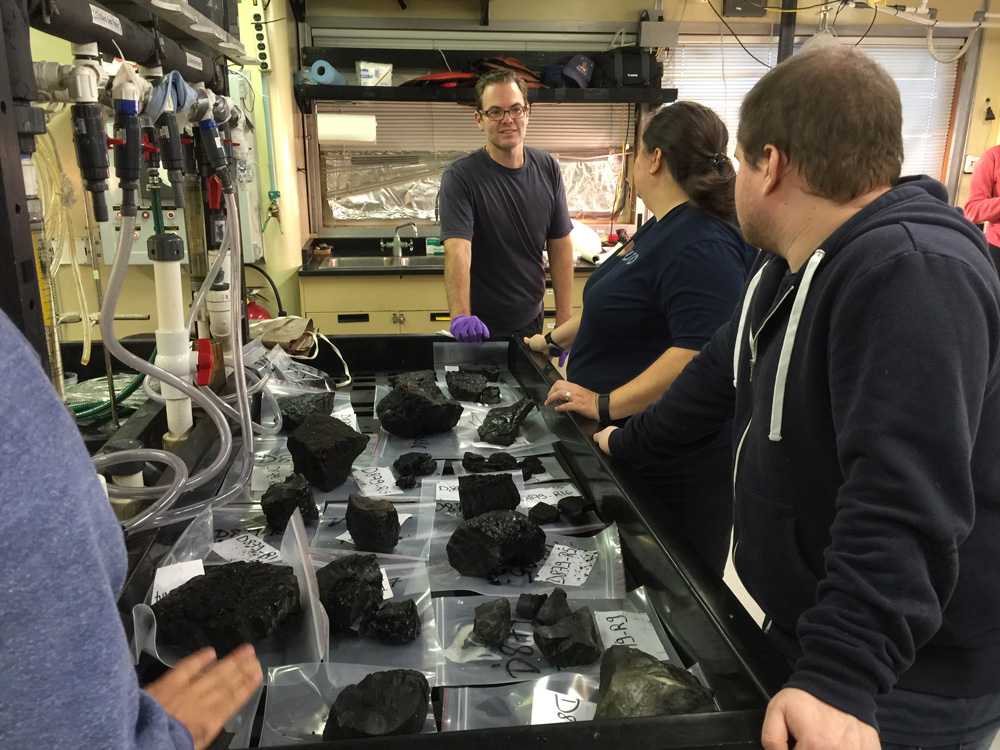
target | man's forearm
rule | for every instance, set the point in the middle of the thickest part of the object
(561, 270)
(457, 264)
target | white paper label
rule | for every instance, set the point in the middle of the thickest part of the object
(376, 481)
(451, 368)
(386, 587)
(567, 566)
(170, 577)
(193, 61)
(348, 417)
(632, 629)
(104, 19)
(550, 495)
(550, 707)
(539, 478)
(246, 548)
(346, 536)
(446, 492)
(263, 477)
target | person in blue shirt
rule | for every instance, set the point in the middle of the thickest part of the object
(650, 308)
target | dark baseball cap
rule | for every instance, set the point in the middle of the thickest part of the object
(579, 70)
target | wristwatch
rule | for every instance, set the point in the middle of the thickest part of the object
(604, 408)
(554, 349)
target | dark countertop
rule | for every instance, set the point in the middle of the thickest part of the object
(409, 265)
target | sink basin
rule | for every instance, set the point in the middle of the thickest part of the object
(362, 262)
(423, 261)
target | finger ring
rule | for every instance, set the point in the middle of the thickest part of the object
(568, 396)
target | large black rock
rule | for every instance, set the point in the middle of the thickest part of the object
(481, 493)
(543, 513)
(485, 543)
(529, 604)
(415, 464)
(295, 409)
(240, 602)
(323, 449)
(280, 501)
(383, 704)
(501, 425)
(489, 370)
(373, 523)
(636, 684)
(465, 386)
(350, 588)
(411, 411)
(575, 508)
(571, 642)
(530, 466)
(397, 622)
(492, 623)
(554, 609)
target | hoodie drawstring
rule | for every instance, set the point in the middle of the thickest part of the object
(747, 299)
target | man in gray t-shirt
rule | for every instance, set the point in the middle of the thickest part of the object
(500, 207)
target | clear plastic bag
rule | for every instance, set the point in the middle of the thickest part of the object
(299, 698)
(554, 472)
(512, 705)
(408, 580)
(241, 723)
(605, 581)
(415, 532)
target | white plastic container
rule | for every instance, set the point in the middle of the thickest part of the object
(373, 73)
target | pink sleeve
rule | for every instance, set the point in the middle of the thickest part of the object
(983, 203)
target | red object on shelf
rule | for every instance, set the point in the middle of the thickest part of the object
(204, 369)
(257, 312)
(213, 187)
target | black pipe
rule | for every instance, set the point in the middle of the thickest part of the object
(786, 29)
(277, 297)
(30, 120)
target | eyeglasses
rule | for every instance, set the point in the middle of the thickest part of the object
(496, 114)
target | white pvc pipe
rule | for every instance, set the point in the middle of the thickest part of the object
(173, 344)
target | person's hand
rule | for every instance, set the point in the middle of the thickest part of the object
(572, 397)
(603, 438)
(469, 329)
(203, 692)
(815, 725)
(537, 343)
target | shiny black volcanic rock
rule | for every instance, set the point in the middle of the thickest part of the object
(501, 425)
(543, 513)
(383, 704)
(529, 604)
(487, 542)
(411, 411)
(490, 395)
(635, 684)
(295, 409)
(373, 523)
(481, 493)
(280, 501)
(489, 370)
(575, 508)
(571, 642)
(350, 589)
(554, 609)
(397, 622)
(406, 482)
(426, 379)
(415, 464)
(531, 466)
(499, 461)
(323, 449)
(492, 623)
(465, 386)
(240, 602)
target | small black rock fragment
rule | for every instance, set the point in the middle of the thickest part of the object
(397, 622)
(554, 609)
(492, 623)
(543, 513)
(474, 463)
(501, 461)
(373, 523)
(485, 543)
(490, 395)
(529, 604)
(489, 370)
(416, 464)
(406, 482)
(636, 684)
(426, 379)
(240, 602)
(575, 508)
(501, 425)
(280, 501)
(571, 642)
(465, 386)
(383, 704)
(295, 409)
(531, 466)
(350, 588)
(323, 449)
(481, 493)
(411, 411)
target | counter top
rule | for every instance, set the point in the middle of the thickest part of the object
(415, 265)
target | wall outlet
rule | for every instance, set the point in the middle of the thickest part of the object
(970, 163)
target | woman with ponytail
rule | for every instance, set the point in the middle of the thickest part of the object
(650, 308)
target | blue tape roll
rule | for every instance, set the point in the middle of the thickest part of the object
(323, 72)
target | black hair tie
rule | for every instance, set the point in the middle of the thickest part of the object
(718, 160)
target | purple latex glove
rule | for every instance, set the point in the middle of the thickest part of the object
(469, 329)
(562, 357)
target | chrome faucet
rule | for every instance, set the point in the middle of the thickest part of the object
(397, 243)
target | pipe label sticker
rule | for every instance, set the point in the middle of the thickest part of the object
(106, 19)
(193, 61)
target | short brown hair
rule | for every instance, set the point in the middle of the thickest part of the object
(836, 114)
(501, 75)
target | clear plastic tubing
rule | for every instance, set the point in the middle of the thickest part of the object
(171, 492)
(206, 285)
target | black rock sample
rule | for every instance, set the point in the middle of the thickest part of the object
(575, 508)
(503, 537)
(490, 395)
(571, 642)
(500, 426)
(411, 411)
(295, 409)
(465, 386)
(481, 493)
(426, 379)
(415, 464)
(474, 463)
(397, 622)
(543, 513)
(240, 602)
(489, 370)
(383, 704)
(492, 623)
(373, 523)
(635, 684)
(501, 461)
(350, 588)
(529, 604)
(280, 501)
(406, 482)
(323, 449)
(531, 466)
(554, 609)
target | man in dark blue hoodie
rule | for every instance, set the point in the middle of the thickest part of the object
(863, 369)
